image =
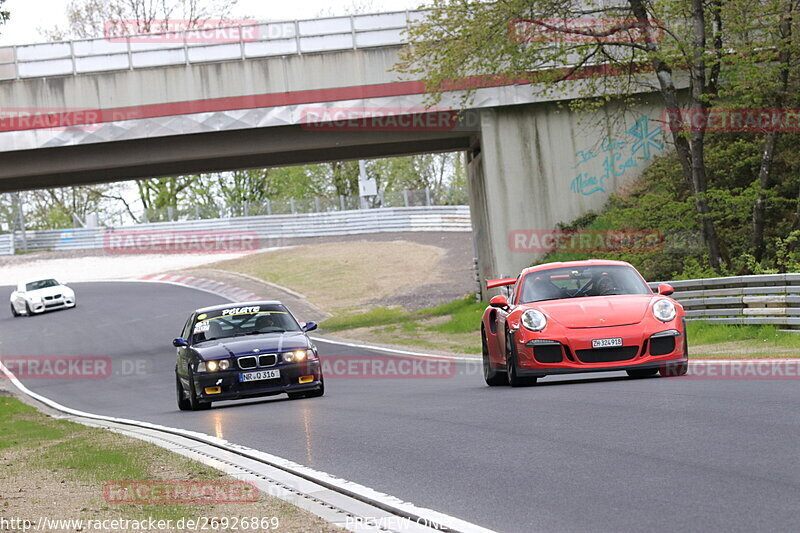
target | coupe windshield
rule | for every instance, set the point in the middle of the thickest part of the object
(239, 321)
(41, 284)
(595, 280)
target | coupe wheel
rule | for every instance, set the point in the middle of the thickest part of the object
(183, 402)
(14, 311)
(194, 402)
(28, 311)
(490, 374)
(642, 372)
(511, 365)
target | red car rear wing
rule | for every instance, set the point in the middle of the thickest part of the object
(494, 283)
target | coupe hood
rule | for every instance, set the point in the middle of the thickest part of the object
(50, 291)
(598, 311)
(245, 345)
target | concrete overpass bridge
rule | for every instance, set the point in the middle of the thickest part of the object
(276, 94)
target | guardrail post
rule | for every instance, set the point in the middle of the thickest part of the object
(317, 204)
(72, 57)
(246, 209)
(269, 207)
(170, 212)
(341, 202)
(297, 37)
(292, 206)
(197, 212)
(353, 31)
(428, 196)
(130, 52)
(405, 197)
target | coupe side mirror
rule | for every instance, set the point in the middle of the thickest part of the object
(499, 301)
(180, 342)
(309, 326)
(665, 289)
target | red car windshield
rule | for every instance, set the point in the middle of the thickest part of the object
(578, 282)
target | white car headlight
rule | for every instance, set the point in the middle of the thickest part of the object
(664, 310)
(533, 320)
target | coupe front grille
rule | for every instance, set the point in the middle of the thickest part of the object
(53, 297)
(548, 353)
(247, 362)
(607, 355)
(268, 359)
(662, 345)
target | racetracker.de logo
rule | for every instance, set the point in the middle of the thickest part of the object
(58, 366)
(378, 119)
(584, 30)
(746, 369)
(746, 120)
(122, 242)
(192, 31)
(179, 492)
(386, 367)
(546, 241)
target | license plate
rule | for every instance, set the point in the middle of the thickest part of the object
(259, 375)
(607, 343)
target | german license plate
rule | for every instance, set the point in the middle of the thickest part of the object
(259, 375)
(607, 343)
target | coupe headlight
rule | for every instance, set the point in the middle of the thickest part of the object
(213, 366)
(664, 310)
(297, 355)
(533, 320)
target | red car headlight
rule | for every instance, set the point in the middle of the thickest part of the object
(533, 320)
(664, 310)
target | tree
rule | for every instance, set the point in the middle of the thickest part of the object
(630, 47)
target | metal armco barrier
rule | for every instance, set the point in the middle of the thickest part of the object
(267, 228)
(760, 299)
(6, 244)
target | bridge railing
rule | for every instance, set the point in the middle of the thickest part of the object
(269, 230)
(759, 299)
(223, 43)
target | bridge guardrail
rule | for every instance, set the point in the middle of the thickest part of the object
(128, 52)
(267, 227)
(757, 299)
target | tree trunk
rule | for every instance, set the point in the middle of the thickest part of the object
(690, 156)
(768, 154)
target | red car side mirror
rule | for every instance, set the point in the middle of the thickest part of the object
(499, 301)
(665, 289)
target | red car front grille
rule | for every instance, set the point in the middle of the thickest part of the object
(607, 355)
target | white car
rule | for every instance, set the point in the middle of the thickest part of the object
(34, 297)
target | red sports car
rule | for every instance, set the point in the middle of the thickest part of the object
(581, 316)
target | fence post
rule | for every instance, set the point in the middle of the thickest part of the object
(292, 206)
(428, 196)
(170, 213)
(317, 204)
(405, 197)
(247, 209)
(197, 211)
(341, 202)
(269, 207)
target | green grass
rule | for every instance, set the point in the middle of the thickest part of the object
(377, 316)
(701, 333)
(464, 317)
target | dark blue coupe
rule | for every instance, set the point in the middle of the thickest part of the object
(245, 350)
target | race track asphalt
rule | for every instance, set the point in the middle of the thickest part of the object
(594, 453)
